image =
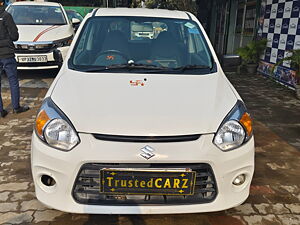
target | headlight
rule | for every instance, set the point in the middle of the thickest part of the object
(54, 128)
(235, 130)
(64, 42)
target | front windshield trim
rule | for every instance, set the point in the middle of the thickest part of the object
(212, 69)
(137, 70)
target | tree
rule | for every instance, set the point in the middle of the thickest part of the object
(183, 5)
(136, 3)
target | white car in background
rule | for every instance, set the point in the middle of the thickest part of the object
(142, 126)
(45, 33)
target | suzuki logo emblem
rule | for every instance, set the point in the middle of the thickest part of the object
(147, 152)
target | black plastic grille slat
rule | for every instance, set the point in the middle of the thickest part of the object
(82, 191)
(87, 183)
(204, 190)
(49, 63)
(36, 51)
(147, 139)
(90, 175)
(204, 182)
(86, 188)
(204, 174)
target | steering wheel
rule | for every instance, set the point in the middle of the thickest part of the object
(110, 56)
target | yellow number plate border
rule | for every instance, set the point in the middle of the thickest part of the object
(102, 177)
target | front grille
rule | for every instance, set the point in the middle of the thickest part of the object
(86, 188)
(49, 63)
(36, 51)
(34, 48)
(146, 139)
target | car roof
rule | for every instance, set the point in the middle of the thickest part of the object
(142, 12)
(36, 3)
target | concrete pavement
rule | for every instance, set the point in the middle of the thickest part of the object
(32, 79)
(275, 191)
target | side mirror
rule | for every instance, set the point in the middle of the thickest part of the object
(230, 63)
(75, 21)
(58, 57)
(231, 60)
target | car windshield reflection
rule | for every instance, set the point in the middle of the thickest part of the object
(174, 44)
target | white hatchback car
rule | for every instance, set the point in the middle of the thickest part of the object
(142, 126)
(45, 32)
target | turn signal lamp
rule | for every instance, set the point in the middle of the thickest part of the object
(247, 123)
(41, 121)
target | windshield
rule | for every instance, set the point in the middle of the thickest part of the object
(141, 43)
(37, 15)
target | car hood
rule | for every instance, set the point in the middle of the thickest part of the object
(166, 104)
(36, 33)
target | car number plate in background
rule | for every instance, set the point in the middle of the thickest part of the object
(32, 59)
(118, 181)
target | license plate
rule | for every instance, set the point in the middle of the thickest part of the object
(32, 59)
(143, 182)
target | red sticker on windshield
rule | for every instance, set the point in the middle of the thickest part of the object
(110, 57)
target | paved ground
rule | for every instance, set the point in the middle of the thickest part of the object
(272, 104)
(275, 191)
(33, 79)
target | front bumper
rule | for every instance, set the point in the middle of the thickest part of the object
(50, 64)
(65, 166)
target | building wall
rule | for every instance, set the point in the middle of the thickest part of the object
(280, 24)
(233, 24)
(245, 22)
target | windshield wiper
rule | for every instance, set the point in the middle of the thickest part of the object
(191, 67)
(123, 66)
(93, 69)
(147, 66)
